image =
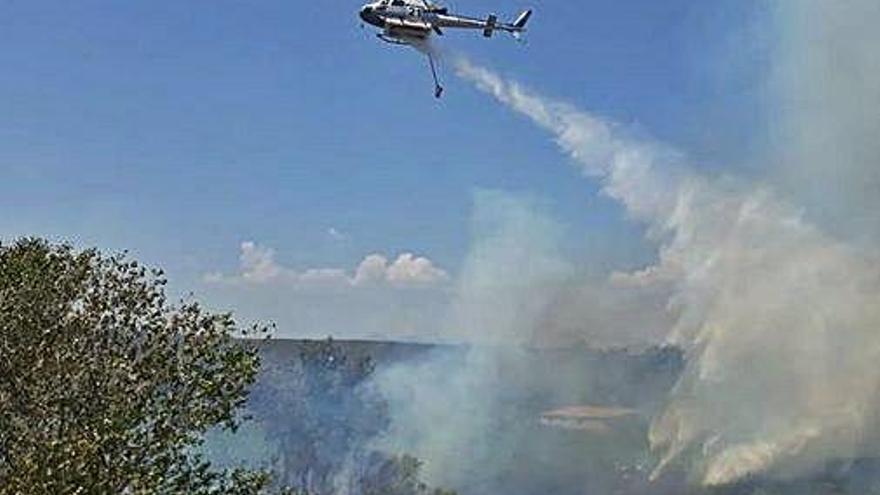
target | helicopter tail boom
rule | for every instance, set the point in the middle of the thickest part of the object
(517, 27)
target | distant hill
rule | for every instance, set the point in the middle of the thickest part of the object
(278, 350)
(611, 377)
(568, 421)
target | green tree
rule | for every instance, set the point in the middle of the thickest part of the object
(105, 388)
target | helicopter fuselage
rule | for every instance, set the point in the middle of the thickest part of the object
(411, 22)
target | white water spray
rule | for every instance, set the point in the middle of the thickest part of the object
(780, 322)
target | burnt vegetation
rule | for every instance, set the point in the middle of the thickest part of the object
(315, 402)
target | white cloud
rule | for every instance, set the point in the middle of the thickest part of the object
(407, 270)
(337, 235)
(258, 267)
(372, 270)
(324, 277)
(258, 264)
(411, 269)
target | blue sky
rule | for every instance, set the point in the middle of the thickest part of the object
(178, 130)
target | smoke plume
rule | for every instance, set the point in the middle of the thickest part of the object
(826, 82)
(778, 319)
(447, 404)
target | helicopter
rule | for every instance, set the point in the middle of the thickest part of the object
(412, 22)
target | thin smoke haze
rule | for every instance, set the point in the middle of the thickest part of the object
(778, 319)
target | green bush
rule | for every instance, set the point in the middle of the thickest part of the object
(105, 388)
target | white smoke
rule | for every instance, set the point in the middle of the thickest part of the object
(508, 281)
(778, 319)
(511, 275)
(826, 83)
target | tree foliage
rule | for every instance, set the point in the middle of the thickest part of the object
(104, 386)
